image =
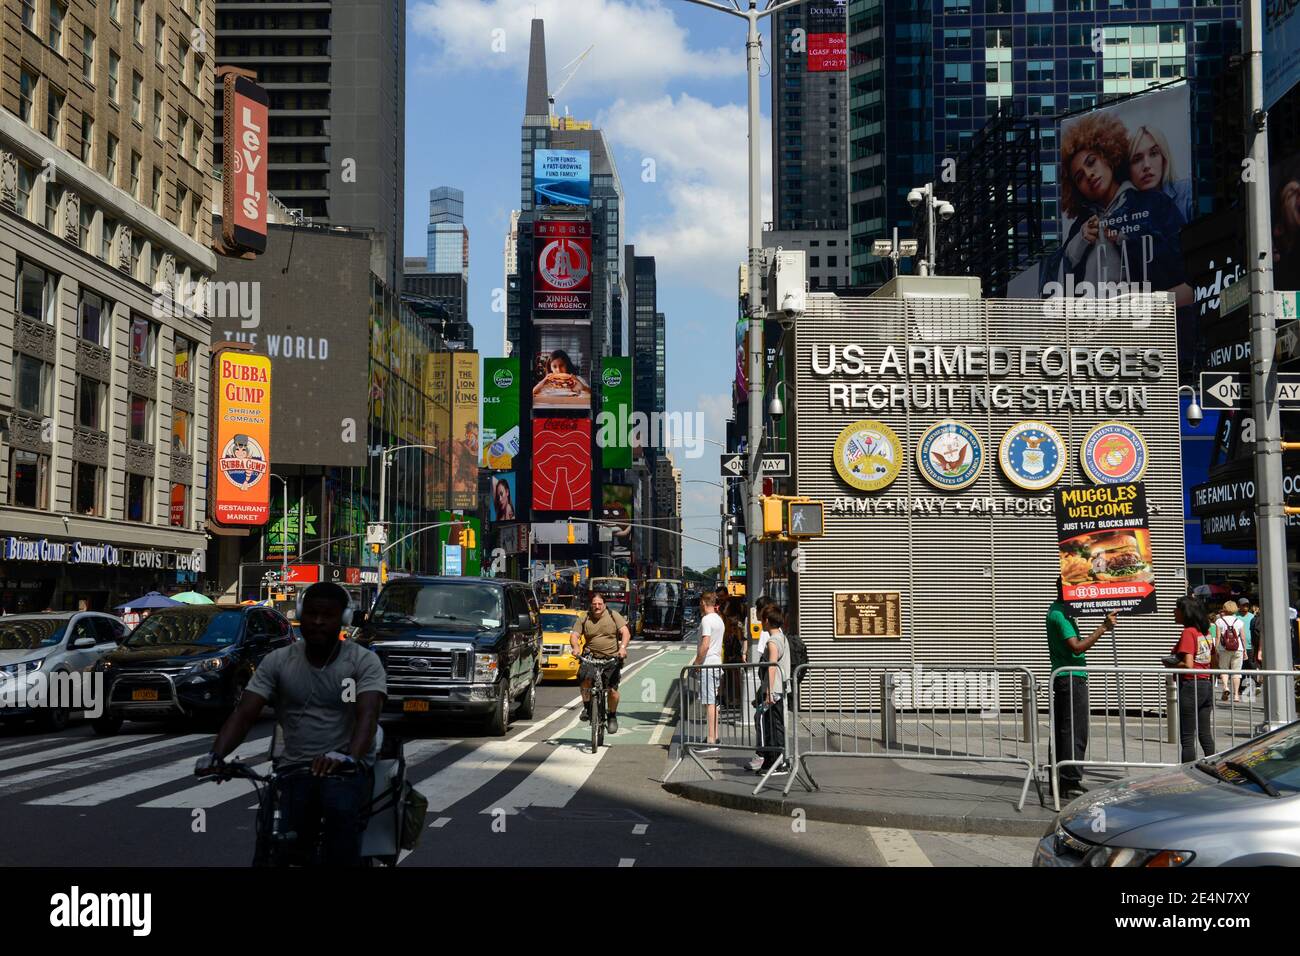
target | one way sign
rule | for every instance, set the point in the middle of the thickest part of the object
(775, 465)
(733, 466)
(1220, 391)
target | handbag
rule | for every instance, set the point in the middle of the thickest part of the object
(1170, 660)
(415, 806)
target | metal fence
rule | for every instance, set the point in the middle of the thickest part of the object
(934, 713)
(1191, 716)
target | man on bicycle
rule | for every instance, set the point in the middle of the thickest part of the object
(327, 695)
(607, 636)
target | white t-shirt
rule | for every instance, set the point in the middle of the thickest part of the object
(715, 630)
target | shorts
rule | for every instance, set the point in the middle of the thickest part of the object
(710, 681)
(613, 672)
(1231, 660)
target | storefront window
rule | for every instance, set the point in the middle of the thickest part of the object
(141, 419)
(95, 318)
(88, 487)
(184, 359)
(32, 392)
(144, 336)
(137, 498)
(28, 479)
(180, 505)
(181, 432)
(90, 403)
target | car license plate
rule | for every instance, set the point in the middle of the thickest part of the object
(144, 695)
(416, 706)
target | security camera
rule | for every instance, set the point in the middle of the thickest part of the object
(946, 210)
(1194, 414)
(914, 198)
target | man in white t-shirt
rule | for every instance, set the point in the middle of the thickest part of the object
(709, 654)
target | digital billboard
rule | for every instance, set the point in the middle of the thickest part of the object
(562, 177)
(502, 505)
(828, 49)
(616, 410)
(562, 271)
(242, 449)
(500, 412)
(464, 430)
(616, 507)
(1125, 194)
(562, 464)
(1281, 49)
(561, 371)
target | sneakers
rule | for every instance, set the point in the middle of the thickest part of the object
(611, 723)
(709, 748)
(756, 765)
(783, 770)
(586, 712)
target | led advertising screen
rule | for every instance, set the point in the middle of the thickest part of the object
(614, 433)
(561, 373)
(828, 49)
(500, 412)
(242, 448)
(562, 177)
(464, 430)
(562, 464)
(1281, 49)
(502, 506)
(562, 271)
(1125, 195)
(616, 507)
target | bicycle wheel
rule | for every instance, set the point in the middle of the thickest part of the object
(599, 725)
(597, 715)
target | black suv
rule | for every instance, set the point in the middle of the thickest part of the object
(187, 662)
(457, 645)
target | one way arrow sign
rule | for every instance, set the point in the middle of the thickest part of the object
(775, 465)
(1220, 391)
(733, 466)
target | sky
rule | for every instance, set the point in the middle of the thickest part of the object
(666, 81)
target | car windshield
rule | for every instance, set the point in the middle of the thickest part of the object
(558, 621)
(169, 628)
(1273, 758)
(619, 606)
(30, 633)
(440, 605)
(665, 592)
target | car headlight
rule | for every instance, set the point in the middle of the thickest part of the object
(208, 665)
(485, 668)
(102, 665)
(24, 667)
(1128, 856)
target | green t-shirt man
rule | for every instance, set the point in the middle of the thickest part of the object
(1060, 628)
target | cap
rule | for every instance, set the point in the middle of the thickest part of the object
(1244, 602)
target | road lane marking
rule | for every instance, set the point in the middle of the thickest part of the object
(94, 794)
(439, 823)
(639, 829)
(553, 783)
(82, 746)
(898, 847)
(34, 778)
(627, 861)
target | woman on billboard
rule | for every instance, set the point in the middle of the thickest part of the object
(1120, 233)
(1151, 166)
(1286, 226)
(503, 508)
(560, 378)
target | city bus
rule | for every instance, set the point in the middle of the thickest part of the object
(662, 609)
(617, 593)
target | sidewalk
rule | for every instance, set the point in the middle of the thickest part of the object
(916, 794)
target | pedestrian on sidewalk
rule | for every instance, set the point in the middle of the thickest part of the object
(733, 650)
(771, 700)
(709, 654)
(754, 676)
(1194, 651)
(1230, 642)
(1070, 689)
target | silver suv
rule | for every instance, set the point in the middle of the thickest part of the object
(34, 646)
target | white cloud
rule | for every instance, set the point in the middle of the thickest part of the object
(639, 44)
(700, 234)
(716, 410)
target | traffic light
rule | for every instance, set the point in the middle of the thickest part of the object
(787, 517)
(470, 541)
(383, 572)
(374, 548)
(571, 534)
(773, 515)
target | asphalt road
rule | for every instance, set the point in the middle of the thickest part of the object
(534, 797)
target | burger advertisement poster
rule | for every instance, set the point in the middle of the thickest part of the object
(243, 439)
(1104, 542)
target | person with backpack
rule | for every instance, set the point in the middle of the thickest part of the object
(770, 704)
(1229, 639)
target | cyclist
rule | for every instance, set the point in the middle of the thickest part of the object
(607, 636)
(327, 695)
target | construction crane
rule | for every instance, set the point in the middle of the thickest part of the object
(575, 63)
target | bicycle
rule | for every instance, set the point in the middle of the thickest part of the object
(598, 701)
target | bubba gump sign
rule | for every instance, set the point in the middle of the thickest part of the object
(242, 448)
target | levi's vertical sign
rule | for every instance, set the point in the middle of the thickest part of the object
(242, 450)
(1105, 548)
(244, 197)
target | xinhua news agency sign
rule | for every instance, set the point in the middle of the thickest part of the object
(242, 447)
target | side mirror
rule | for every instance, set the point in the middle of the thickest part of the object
(82, 644)
(358, 618)
(525, 622)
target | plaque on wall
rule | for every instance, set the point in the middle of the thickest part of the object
(868, 614)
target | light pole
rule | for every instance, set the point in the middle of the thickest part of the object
(1270, 523)
(384, 453)
(934, 206)
(284, 524)
(753, 62)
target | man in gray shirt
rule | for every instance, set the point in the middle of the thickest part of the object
(327, 695)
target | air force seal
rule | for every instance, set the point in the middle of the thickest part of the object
(1032, 455)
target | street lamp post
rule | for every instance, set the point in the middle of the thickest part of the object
(284, 523)
(753, 64)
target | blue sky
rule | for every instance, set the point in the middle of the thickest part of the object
(666, 81)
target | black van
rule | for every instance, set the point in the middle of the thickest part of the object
(457, 646)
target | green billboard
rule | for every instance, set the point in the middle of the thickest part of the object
(615, 431)
(500, 442)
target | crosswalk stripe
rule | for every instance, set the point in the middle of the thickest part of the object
(33, 778)
(207, 794)
(81, 746)
(449, 786)
(92, 795)
(898, 847)
(554, 783)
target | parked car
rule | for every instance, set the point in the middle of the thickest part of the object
(1237, 808)
(32, 644)
(188, 662)
(558, 662)
(457, 645)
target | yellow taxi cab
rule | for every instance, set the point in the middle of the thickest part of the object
(558, 622)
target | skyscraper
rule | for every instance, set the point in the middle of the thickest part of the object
(645, 334)
(335, 74)
(448, 237)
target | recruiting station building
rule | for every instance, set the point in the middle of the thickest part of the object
(946, 554)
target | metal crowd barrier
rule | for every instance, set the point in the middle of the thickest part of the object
(920, 713)
(1123, 734)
